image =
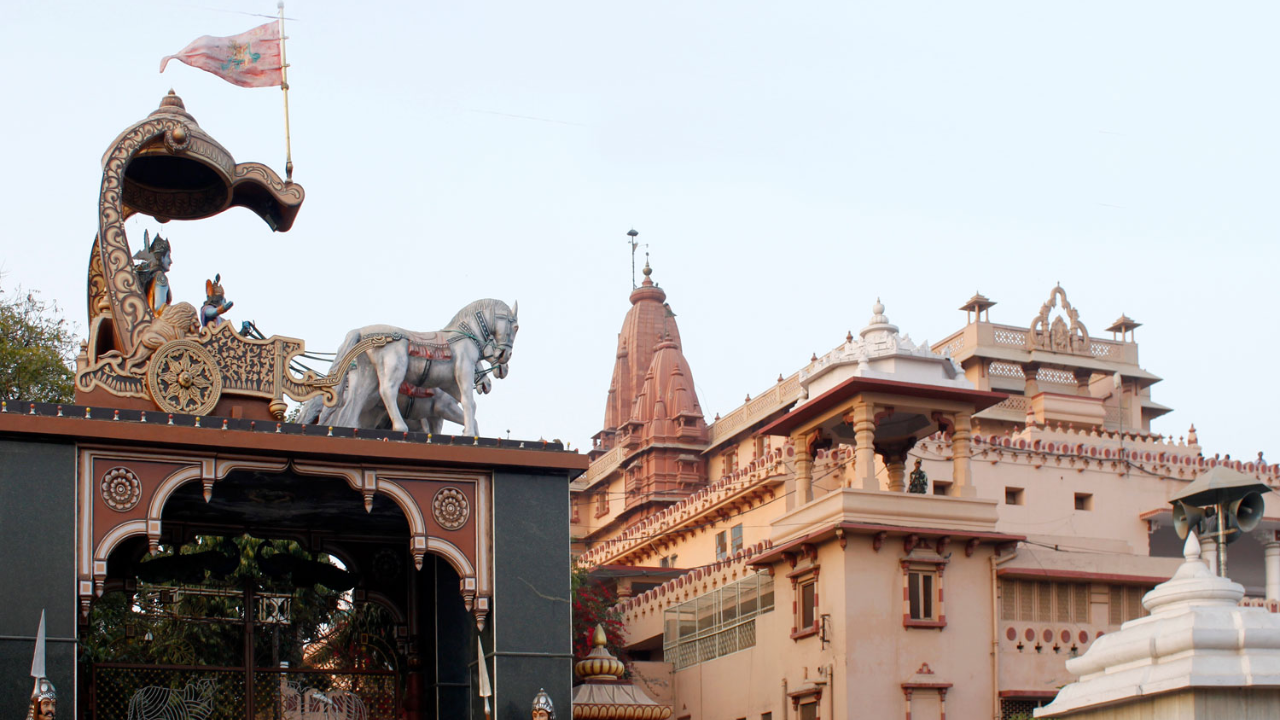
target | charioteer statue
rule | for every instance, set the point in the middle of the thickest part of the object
(215, 303)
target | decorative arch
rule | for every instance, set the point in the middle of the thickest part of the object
(381, 600)
(1058, 335)
(473, 572)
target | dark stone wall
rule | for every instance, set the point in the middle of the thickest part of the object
(528, 632)
(37, 544)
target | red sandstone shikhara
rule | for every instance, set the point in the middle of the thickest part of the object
(250, 59)
(774, 565)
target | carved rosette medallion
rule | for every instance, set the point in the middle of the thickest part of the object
(451, 508)
(121, 489)
(183, 378)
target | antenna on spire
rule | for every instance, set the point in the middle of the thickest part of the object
(631, 241)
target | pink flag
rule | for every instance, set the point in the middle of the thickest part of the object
(250, 59)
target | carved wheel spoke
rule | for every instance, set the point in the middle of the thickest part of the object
(183, 378)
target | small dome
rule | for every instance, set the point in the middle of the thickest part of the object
(600, 664)
(879, 321)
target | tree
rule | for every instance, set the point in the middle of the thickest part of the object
(594, 604)
(37, 349)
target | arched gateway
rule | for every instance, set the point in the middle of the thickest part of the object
(172, 496)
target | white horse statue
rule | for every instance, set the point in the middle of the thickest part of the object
(446, 360)
(425, 407)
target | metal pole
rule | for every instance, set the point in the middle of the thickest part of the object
(248, 650)
(284, 87)
(1222, 539)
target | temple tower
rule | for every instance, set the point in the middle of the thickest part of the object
(650, 451)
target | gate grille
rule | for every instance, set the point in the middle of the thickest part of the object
(146, 692)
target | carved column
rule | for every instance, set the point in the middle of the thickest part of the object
(1271, 560)
(1031, 385)
(804, 469)
(897, 469)
(1083, 376)
(961, 472)
(895, 464)
(864, 433)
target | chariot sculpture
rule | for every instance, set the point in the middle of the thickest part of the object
(145, 351)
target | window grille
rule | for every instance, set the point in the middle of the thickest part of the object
(718, 623)
(1026, 600)
(1020, 708)
(1044, 596)
(1044, 601)
(1008, 601)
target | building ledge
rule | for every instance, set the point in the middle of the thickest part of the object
(870, 507)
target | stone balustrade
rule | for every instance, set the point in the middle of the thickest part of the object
(726, 489)
(690, 584)
(1101, 449)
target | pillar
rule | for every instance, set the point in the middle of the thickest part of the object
(1209, 552)
(804, 469)
(1083, 376)
(1271, 558)
(896, 465)
(864, 435)
(961, 472)
(1031, 385)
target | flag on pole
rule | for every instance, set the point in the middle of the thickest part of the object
(253, 58)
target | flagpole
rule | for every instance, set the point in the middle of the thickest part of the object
(284, 86)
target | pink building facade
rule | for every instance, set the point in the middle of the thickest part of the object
(894, 530)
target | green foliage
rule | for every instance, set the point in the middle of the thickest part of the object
(208, 629)
(594, 604)
(37, 349)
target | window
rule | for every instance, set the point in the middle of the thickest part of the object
(1013, 496)
(720, 622)
(922, 604)
(602, 503)
(809, 711)
(1017, 708)
(668, 561)
(807, 592)
(766, 716)
(1066, 602)
(730, 461)
(941, 487)
(920, 594)
(735, 539)
(1126, 603)
(722, 546)
(1084, 501)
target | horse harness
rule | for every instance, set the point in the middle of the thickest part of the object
(430, 352)
(489, 339)
(439, 351)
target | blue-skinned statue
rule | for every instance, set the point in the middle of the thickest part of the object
(155, 260)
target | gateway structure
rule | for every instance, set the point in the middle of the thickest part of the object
(197, 556)
(896, 529)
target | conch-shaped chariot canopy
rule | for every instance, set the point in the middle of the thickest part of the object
(168, 167)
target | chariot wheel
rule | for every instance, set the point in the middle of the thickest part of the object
(183, 378)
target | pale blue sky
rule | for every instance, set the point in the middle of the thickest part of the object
(787, 162)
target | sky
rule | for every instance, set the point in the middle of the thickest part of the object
(785, 164)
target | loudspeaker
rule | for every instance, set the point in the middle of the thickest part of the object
(1186, 518)
(1248, 511)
